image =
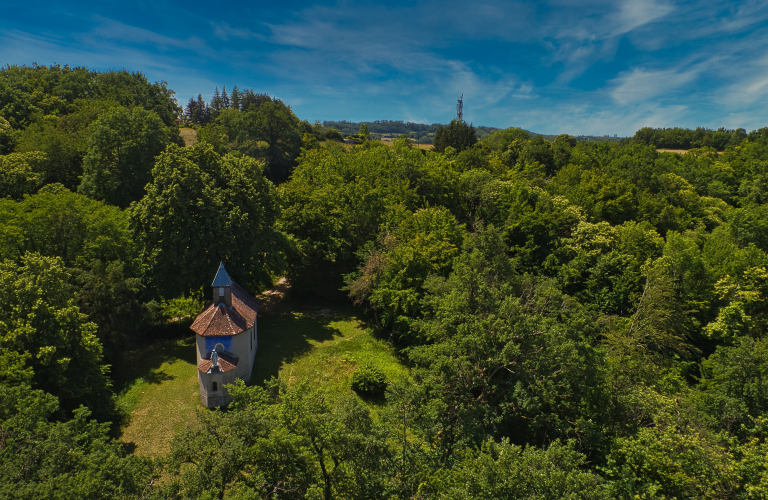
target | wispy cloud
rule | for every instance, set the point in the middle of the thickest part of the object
(598, 66)
(225, 32)
(640, 85)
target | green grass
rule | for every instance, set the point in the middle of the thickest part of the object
(158, 385)
(323, 349)
(160, 394)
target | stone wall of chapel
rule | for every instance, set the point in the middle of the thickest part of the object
(241, 347)
(221, 396)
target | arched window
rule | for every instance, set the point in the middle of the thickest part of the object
(215, 387)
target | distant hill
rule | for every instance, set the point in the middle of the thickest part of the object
(425, 132)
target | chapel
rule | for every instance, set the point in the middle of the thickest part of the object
(227, 339)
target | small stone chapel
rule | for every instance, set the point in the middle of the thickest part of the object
(227, 339)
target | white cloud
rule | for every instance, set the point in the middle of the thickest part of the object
(642, 85)
(109, 29)
(224, 31)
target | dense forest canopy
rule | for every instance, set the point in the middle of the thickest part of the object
(681, 138)
(580, 319)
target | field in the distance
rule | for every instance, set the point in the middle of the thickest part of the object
(322, 347)
(189, 135)
(420, 146)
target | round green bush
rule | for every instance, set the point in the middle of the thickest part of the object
(369, 379)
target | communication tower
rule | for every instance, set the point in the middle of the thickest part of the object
(460, 108)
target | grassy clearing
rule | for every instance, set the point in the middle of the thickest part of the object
(160, 393)
(324, 349)
(189, 135)
(159, 388)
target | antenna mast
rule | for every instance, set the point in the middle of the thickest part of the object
(460, 108)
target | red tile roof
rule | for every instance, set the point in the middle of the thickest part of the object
(227, 362)
(224, 365)
(223, 321)
(247, 306)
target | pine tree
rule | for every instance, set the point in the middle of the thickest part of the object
(235, 98)
(224, 98)
(216, 100)
(201, 111)
(191, 110)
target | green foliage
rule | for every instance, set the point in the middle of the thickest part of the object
(502, 140)
(333, 135)
(18, 174)
(363, 133)
(7, 138)
(266, 130)
(121, 151)
(182, 307)
(744, 311)
(734, 385)
(414, 247)
(57, 222)
(505, 471)
(26, 91)
(368, 379)
(295, 441)
(541, 290)
(680, 138)
(74, 459)
(671, 462)
(94, 242)
(335, 203)
(63, 140)
(202, 208)
(45, 339)
(457, 135)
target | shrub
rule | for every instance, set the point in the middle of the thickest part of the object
(333, 135)
(369, 379)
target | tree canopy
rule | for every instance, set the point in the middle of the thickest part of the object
(568, 318)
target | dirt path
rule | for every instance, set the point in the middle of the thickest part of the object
(270, 298)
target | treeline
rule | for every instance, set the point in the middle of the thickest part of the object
(683, 138)
(397, 127)
(579, 319)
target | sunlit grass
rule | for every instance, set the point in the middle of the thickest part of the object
(159, 388)
(323, 349)
(162, 398)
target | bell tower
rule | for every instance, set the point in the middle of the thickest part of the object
(222, 287)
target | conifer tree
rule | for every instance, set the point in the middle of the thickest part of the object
(191, 110)
(224, 98)
(216, 100)
(234, 99)
(202, 112)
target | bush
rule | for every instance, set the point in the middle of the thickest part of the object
(333, 135)
(369, 379)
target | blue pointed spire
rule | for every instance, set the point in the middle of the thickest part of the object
(222, 277)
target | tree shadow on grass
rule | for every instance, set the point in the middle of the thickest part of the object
(144, 363)
(286, 335)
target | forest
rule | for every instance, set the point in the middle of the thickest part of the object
(579, 319)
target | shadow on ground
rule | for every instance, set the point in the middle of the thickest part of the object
(284, 335)
(143, 364)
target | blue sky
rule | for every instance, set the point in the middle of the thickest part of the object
(586, 67)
